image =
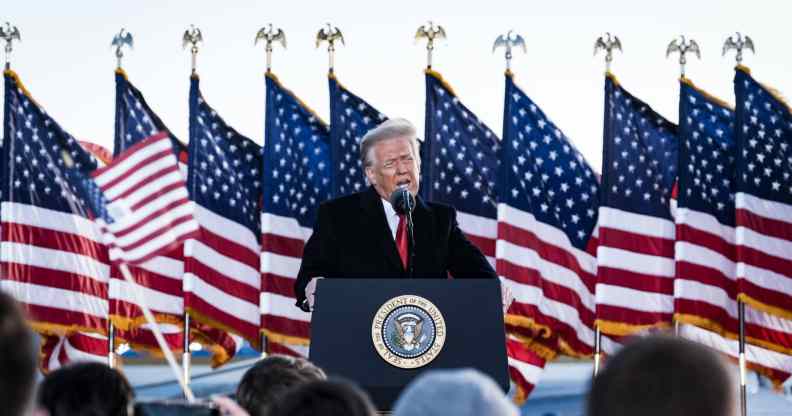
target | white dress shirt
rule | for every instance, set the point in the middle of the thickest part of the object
(391, 216)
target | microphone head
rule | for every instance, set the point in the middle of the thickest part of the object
(402, 200)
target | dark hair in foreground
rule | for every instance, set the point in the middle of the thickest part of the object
(324, 398)
(85, 389)
(662, 376)
(270, 378)
(17, 358)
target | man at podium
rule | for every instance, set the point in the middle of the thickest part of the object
(387, 231)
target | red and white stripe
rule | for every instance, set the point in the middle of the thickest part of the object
(160, 281)
(635, 275)
(55, 265)
(57, 351)
(552, 281)
(286, 326)
(481, 231)
(525, 368)
(705, 288)
(764, 262)
(142, 338)
(148, 200)
(222, 281)
(774, 365)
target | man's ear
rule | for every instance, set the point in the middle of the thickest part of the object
(370, 174)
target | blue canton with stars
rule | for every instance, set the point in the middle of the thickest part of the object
(40, 158)
(707, 178)
(224, 174)
(764, 141)
(543, 173)
(135, 121)
(639, 163)
(296, 157)
(350, 119)
(459, 155)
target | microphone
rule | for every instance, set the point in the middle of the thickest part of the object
(402, 200)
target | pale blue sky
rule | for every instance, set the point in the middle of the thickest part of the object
(66, 62)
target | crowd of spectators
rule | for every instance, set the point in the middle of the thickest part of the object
(656, 375)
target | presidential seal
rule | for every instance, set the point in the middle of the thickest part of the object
(408, 331)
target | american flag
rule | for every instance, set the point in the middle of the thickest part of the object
(53, 259)
(459, 159)
(222, 280)
(635, 256)
(774, 365)
(525, 368)
(160, 278)
(297, 178)
(58, 351)
(705, 287)
(459, 163)
(351, 118)
(547, 212)
(148, 210)
(763, 197)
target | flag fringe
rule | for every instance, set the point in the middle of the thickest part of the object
(622, 329)
(543, 351)
(220, 355)
(154, 351)
(526, 322)
(709, 96)
(719, 329)
(440, 79)
(775, 93)
(764, 307)
(20, 85)
(126, 324)
(285, 339)
(58, 330)
(204, 319)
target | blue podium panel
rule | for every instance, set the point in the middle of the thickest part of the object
(408, 332)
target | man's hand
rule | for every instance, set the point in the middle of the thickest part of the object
(228, 407)
(506, 296)
(310, 292)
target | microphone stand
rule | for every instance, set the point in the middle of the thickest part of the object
(409, 203)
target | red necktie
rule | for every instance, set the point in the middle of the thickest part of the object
(401, 240)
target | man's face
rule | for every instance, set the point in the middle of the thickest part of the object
(393, 165)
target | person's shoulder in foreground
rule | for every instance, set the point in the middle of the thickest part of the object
(324, 398)
(17, 358)
(86, 388)
(460, 392)
(662, 376)
(270, 378)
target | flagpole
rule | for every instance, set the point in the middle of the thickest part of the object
(743, 389)
(9, 34)
(431, 32)
(263, 341)
(739, 43)
(509, 40)
(111, 362)
(330, 34)
(607, 43)
(597, 349)
(155, 329)
(186, 353)
(269, 34)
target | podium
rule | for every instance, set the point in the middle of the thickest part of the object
(366, 330)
